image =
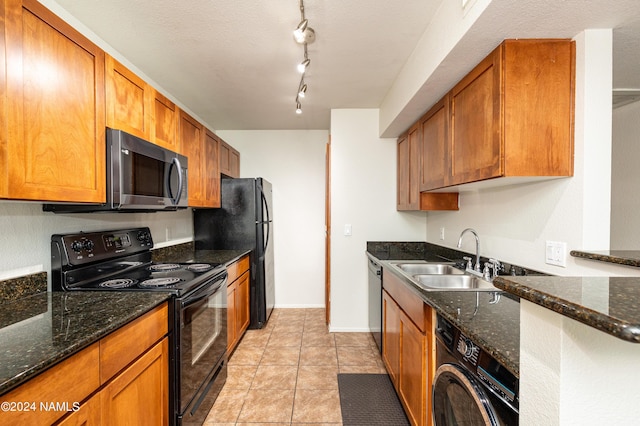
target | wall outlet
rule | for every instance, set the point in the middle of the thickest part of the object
(556, 253)
(442, 233)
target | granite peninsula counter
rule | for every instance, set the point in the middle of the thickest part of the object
(609, 304)
(41, 330)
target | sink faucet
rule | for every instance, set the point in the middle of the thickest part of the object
(476, 267)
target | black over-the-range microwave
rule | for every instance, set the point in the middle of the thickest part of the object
(141, 176)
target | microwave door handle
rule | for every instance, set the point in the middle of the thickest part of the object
(176, 200)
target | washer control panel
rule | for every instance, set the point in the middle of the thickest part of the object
(468, 350)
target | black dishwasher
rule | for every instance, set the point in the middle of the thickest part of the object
(375, 302)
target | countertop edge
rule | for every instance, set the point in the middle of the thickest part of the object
(598, 320)
(608, 258)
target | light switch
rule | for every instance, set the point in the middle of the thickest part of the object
(347, 230)
(556, 253)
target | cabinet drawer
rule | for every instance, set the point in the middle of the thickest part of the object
(68, 382)
(409, 302)
(124, 345)
(237, 268)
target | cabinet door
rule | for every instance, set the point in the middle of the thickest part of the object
(409, 170)
(242, 307)
(128, 100)
(140, 394)
(391, 337)
(211, 169)
(435, 146)
(538, 107)
(4, 159)
(192, 141)
(234, 163)
(413, 367)
(476, 138)
(87, 415)
(56, 108)
(165, 119)
(232, 335)
(229, 160)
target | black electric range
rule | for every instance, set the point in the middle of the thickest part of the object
(121, 261)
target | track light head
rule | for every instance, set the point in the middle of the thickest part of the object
(298, 33)
(298, 108)
(302, 66)
(302, 91)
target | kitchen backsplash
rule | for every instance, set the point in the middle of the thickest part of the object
(389, 250)
(16, 288)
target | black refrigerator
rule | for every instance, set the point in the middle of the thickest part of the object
(244, 221)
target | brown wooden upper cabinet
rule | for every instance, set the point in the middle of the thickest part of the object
(411, 160)
(211, 178)
(512, 115)
(434, 146)
(128, 99)
(53, 134)
(192, 142)
(164, 125)
(138, 108)
(229, 160)
(408, 170)
(201, 147)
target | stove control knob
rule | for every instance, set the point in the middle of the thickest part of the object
(76, 246)
(88, 245)
(144, 237)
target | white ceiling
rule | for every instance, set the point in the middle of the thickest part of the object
(232, 62)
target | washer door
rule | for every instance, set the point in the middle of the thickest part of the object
(458, 399)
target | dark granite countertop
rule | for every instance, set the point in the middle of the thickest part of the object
(43, 329)
(187, 253)
(620, 257)
(218, 256)
(609, 304)
(493, 326)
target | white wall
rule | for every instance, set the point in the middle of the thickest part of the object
(625, 177)
(294, 162)
(515, 222)
(363, 194)
(26, 232)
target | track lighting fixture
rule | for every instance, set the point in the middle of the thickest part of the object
(303, 34)
(298, 33)
(302, 66)
(302, 90)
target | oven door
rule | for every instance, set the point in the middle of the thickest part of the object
(202, 337)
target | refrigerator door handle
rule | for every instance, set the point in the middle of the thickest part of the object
(268, 221)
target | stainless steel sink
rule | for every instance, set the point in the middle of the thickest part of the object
(415, 267)
(453, 282)
(429, 269)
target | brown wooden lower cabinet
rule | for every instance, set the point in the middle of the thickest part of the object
(407, 349)
(133, 394)
(237, 302)
(140, 394)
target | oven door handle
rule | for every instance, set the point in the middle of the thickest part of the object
(206, 291)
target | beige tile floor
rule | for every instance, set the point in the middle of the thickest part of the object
(286, 373)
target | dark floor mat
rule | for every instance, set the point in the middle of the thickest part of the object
(369, 399)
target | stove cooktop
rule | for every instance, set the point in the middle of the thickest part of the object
(120, 260)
